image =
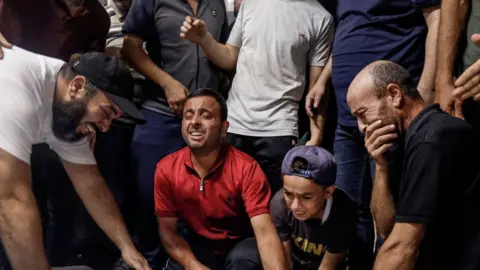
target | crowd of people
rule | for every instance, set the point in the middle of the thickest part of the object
(302, 134)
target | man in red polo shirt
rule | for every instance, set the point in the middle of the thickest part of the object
(220, 192)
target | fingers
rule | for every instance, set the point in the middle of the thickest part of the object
(468, 89)
(379, 152)
(476, 39)
(378, 136)
(4, 43)
(457, 109)
(466, 76)
(371, 128)
(308, 106)
(198, 23)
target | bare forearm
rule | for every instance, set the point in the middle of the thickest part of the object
(177, 248)
(426, 86)
(452, 21)
(271, 252)
(138, 59)
(394, 258)
(383, 208)
(21, 233)
(101, 205)
(220, 54)
(331, 262)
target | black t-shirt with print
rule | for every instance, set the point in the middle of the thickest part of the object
(438, 189)
(310, 238)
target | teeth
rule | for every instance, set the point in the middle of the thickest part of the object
(196, 133)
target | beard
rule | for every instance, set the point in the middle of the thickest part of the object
(66, 117)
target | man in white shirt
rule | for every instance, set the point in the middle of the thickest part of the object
(271, 45)
(44, 100)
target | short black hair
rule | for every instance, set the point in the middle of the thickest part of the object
(67, 72)
(299, 164)
(208, 92)
(385, 73)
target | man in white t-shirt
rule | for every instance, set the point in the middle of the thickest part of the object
(44, 100)
(271, 45)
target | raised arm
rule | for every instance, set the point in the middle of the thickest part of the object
(223, 55)
(452, 21)
(378, 139)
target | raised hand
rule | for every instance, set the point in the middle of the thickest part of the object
(194, 30)
(378, 139)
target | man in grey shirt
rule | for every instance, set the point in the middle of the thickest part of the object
(172, 68)
(271, 44)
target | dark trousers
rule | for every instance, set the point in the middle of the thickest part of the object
(243, 256)
(268, 152)
(160, 136)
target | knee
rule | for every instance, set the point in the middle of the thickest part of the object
(244, 256)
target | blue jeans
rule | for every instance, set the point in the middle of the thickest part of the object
(354, 176)
(160, 136)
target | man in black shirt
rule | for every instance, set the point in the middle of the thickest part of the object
(314, 220)
(430, 219)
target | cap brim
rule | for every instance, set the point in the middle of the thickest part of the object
(128, 108)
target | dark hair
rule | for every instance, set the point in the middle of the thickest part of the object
(385, 73)
(299, 164)
(207, 92)
(68, 73)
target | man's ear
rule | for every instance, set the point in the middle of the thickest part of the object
(395, 94)
(76, 87)
(329, 191)
(225, 126)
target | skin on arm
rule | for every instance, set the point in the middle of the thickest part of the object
(399, 251)
(426, 86)
(4, 43)
(452, 21)
(101, 205)
(174, 244)
(288, 253)
(383, 207)
(330, 261)
(224, 56)
(138, 59)
(316, 101)
(378, 139)
(268, 242)
(20, 227)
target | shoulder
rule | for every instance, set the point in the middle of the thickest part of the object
(278, 207)
(240, 159)
(441, 129)
(342, 203)
(171, 162)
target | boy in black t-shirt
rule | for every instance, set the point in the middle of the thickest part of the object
(315, 220)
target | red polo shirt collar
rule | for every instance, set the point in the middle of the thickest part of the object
(217, 164)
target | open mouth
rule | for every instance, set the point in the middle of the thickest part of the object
(196, 134)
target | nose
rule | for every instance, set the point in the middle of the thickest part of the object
(296, 204)
(362, 126)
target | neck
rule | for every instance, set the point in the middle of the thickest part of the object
(413, 108)
(203, 160)
(320, 213)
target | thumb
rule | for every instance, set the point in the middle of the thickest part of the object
(476, 39)
(198, 23)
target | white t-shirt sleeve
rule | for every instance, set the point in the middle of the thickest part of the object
(235, 38)
(77, 152)
(320, 52)
(17, 130)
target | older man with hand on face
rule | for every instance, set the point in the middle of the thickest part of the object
(435, 203)
(48, 101)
